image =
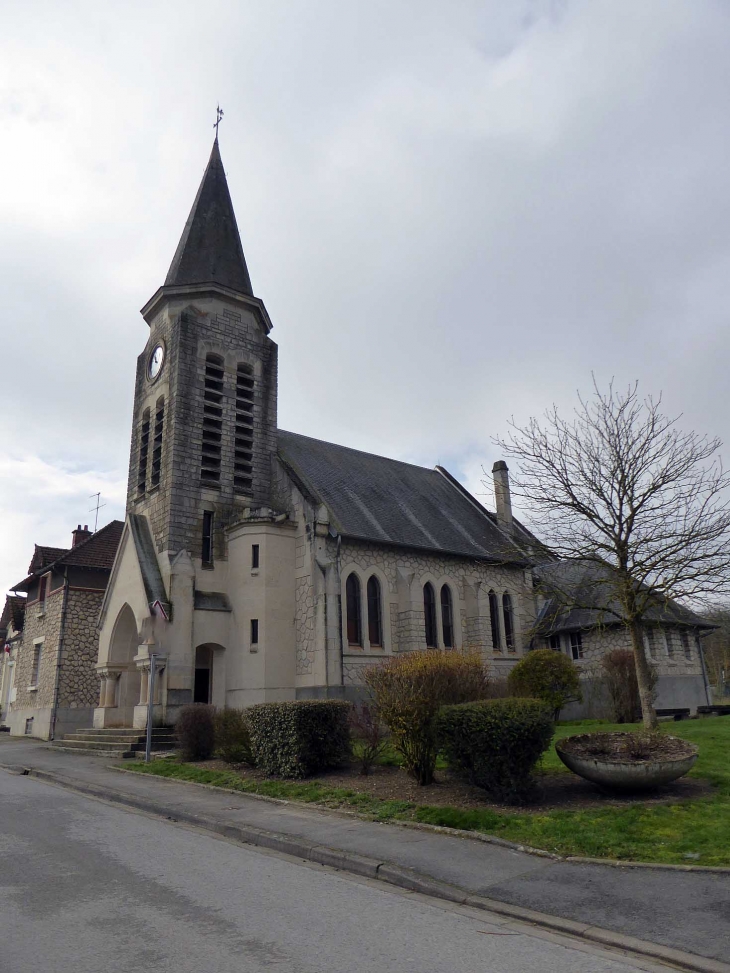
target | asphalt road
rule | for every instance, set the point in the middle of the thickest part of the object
(91, 888)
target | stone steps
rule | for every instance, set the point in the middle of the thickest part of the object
(115, 741)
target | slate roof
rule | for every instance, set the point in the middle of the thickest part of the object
(96, 552)
(580, 597)
(210, 248)
(385, 501)
(13, 613)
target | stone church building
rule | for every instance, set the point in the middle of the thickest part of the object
(259, 564)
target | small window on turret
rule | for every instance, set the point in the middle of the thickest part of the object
(254, 557)
(207, 551)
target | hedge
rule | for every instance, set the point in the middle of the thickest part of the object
(548, 675)
(232, 736)
(195, 732)
(495, 743)
(297, 739)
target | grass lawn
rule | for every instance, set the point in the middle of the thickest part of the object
(696, 831)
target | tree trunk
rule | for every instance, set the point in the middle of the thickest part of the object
(643, 677)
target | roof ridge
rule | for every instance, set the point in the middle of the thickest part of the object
(362, 452)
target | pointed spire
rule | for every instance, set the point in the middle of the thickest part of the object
(210, 248)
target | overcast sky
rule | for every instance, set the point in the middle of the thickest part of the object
(454, 212)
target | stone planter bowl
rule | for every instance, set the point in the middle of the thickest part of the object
(627, 775)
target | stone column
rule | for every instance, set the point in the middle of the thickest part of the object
(110, 689)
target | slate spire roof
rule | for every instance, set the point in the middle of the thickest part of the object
(210, 251)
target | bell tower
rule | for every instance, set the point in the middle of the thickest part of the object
(204, 426)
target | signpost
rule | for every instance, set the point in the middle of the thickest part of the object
(150, 705)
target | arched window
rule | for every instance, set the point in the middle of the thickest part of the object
(210, 465)
(494, 619)
(429, 611)
(509, 629)
(375, 617)
(157, 442)
(685, 644)
(243, 460)
(144, 448)
(354, 617)
(447, 617)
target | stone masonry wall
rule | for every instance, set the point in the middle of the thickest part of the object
(79, 683)
(46, 625)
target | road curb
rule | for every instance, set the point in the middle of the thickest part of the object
(389, 873)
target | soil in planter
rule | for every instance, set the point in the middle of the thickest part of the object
(627, 747)
(556, 791)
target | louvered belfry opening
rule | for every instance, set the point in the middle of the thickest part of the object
(144, 448)
(210, 466)
(157, 443)
(243, 458)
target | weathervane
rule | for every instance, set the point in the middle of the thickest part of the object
(218, 116)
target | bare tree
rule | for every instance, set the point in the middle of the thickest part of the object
(620, 485)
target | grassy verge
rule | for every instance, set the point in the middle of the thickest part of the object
(696, 831)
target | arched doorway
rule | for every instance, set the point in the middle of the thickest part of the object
(122, 650)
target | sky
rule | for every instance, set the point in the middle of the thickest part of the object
(455, 213)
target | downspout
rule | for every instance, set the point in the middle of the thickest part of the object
(59, 656)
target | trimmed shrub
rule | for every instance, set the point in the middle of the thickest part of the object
(409, 690)
(298, 739)
(232, 737)
(195, 732)
(496, 743)
(622, 685)
(548, 675)
(369, 733)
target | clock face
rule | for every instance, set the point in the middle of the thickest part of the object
(154, 366)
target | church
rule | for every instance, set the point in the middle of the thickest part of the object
(257, 564)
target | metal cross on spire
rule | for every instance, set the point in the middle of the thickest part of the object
(218, 116)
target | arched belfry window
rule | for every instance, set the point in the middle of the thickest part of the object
(354, 612)
(429, 613)
(210, 465)
(144, 448)
(509, 627)
(494, 621)
(375, 612)
(243, 458)
(447, 617)
(157, 442)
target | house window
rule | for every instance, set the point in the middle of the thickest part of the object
(157, 443)
(42, 592)
(447, 617)
(494, 620)
(651, 642)
(686, 647)
(210, 464)
(35, 672)
(254, 631)
(144, 447)
(576, 645)
(554, 642)
(429, 613)
(375, 618)
(509, 632)
(29, 726)
(354, 617)
(668, 643)
(207, 550)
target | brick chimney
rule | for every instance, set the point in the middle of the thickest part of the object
(79, 535)
(502, 498)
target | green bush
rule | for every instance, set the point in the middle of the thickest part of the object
(195, 732)
(622, 685)
(548, 675)
(496, 743)
(232, 737)
(408, 691)
(297, 739)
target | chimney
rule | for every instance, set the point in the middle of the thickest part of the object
(502, 497)
(79, 535)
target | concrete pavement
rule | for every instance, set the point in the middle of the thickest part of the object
(89, 887)
(687, 911)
